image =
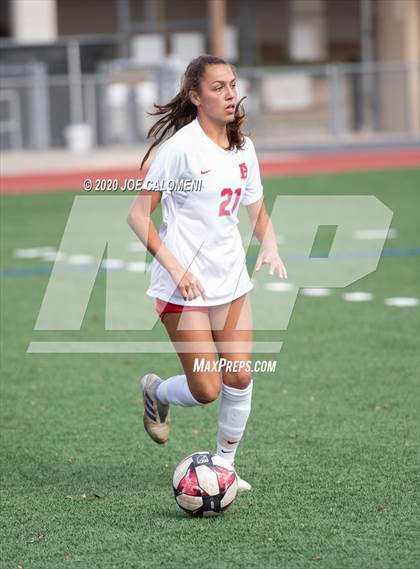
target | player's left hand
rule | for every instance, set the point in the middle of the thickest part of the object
(271, 258)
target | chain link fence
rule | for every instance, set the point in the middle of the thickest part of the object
(284, 104)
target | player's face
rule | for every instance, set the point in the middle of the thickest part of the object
(217, 97)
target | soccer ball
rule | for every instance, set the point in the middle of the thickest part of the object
(204, 484)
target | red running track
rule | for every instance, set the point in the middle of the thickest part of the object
(270, 167)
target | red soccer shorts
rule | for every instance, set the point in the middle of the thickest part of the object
(163, 307)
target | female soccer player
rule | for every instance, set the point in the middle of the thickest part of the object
(199, 276)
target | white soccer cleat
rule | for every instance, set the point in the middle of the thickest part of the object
(156, 418)
(243, 485)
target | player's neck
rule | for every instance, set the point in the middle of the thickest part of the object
(216, 132)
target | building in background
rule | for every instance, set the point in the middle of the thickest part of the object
(258, 32)
(78, 39)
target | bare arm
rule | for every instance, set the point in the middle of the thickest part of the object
(264, 232)
(139, 219)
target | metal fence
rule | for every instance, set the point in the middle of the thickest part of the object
(283, 103)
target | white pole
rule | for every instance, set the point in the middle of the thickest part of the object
(75, 82)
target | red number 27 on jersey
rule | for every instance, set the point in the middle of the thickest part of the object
(228, 192)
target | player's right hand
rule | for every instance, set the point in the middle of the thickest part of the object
(190, 287)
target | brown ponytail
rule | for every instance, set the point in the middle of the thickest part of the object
(180, 111)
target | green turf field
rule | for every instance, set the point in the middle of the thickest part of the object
(330, 447)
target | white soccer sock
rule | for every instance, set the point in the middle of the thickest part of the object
(234, 410)
(175, 391)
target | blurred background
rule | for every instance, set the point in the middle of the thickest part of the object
(81, 74)
(332, 92)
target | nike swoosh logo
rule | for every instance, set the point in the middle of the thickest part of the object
(226, 451)
(205, 171)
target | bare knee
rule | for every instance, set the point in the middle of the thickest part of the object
(239, 379)
(206, 389)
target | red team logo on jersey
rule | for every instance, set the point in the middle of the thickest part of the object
(244, 170)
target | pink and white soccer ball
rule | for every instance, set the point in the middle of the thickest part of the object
(204, 484)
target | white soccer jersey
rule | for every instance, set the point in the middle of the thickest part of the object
(200, 227)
